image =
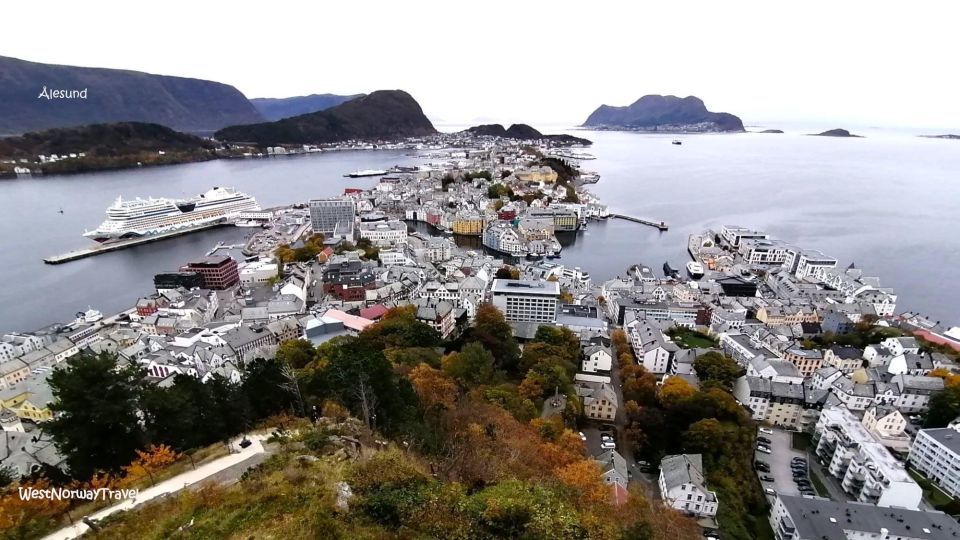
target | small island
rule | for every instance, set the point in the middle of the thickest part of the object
(950, 136)
(771, 131)
(525, 132)
(836, 133)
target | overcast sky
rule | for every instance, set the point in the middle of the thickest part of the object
(840, 63)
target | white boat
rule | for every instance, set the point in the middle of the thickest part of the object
(89, 316)
(366, 172)
(677, 142)
(138, 218)
(695, 269)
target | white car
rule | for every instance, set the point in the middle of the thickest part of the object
(608, 445)
(605, 438)
(769, 491)
(582, 436)
(766, 431)
(763, 449)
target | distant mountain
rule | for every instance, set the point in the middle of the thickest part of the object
(836, 133)
(523, 132)
(113, 95)
(277, 108)
(663, 113)
(384, 114)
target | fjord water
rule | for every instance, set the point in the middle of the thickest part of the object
(886, 202)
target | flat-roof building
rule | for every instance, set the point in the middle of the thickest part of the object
(527, 300)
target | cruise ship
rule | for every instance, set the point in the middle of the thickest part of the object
(138, 218)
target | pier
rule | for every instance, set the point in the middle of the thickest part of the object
(660, 225)
(221, 245)
(100, 249)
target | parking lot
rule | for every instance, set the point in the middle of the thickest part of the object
(782, 453)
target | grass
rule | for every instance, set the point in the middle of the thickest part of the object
(802, 441)
(933, 494)
(690, 339)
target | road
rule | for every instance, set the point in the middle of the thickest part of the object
(225, 469)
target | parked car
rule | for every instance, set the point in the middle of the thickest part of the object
(608, 445)
(766, 431)
(763, 440)
(766, 478)
(582, 436)
(769, 491)
(605, 437)
(762, 466)
(763, 449)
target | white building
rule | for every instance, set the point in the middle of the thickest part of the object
(384, 233)
(866, 469)
(527, 301)
(936, 453)
(683, 485)
(649, 345)
(257, 272)
(597, 358)
(333, 217)
(814, 518)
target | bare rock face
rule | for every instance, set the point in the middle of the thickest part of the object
(344, 494)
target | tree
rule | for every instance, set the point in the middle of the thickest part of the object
(190, 413)
(295, 353)
(944, 408)
(704, 437)
(95, 424)
(507, 272)
(717, 368)
(639, 385)
(436, 391)
(155, 458)
(267, 388)
(674, 391)
(512, 400)
(471, 366)
(493, 331)
(399, 328)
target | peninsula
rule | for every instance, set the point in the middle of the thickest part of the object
(656, 113)
(278, 108)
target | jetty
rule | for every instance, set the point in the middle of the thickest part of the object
(100, 249)
(660, 225)
(221, 245)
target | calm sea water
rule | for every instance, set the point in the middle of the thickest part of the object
(886, 202)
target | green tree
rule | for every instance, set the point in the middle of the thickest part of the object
(944, 408)
(399, 328)
(471, 366)
(95, 424)
(717, 368)
(295, 353)
(267, 389)
(492, 330)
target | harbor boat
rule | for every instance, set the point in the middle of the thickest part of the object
(670, 271)
(89, 316)
(249, 223)
(365, 172)
(139, 218)
(695, 269)
(677, 142)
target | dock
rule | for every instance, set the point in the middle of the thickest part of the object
(660, 225)
(100, 249)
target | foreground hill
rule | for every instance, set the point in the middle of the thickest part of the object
(523, 132)
(277, 108)
(384, 114)
(663, 113)
(114, 95)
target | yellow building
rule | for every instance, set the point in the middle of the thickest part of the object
(468, 225)
(537, 175)
(29, 399)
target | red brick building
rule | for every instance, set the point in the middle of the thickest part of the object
(218, 272)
